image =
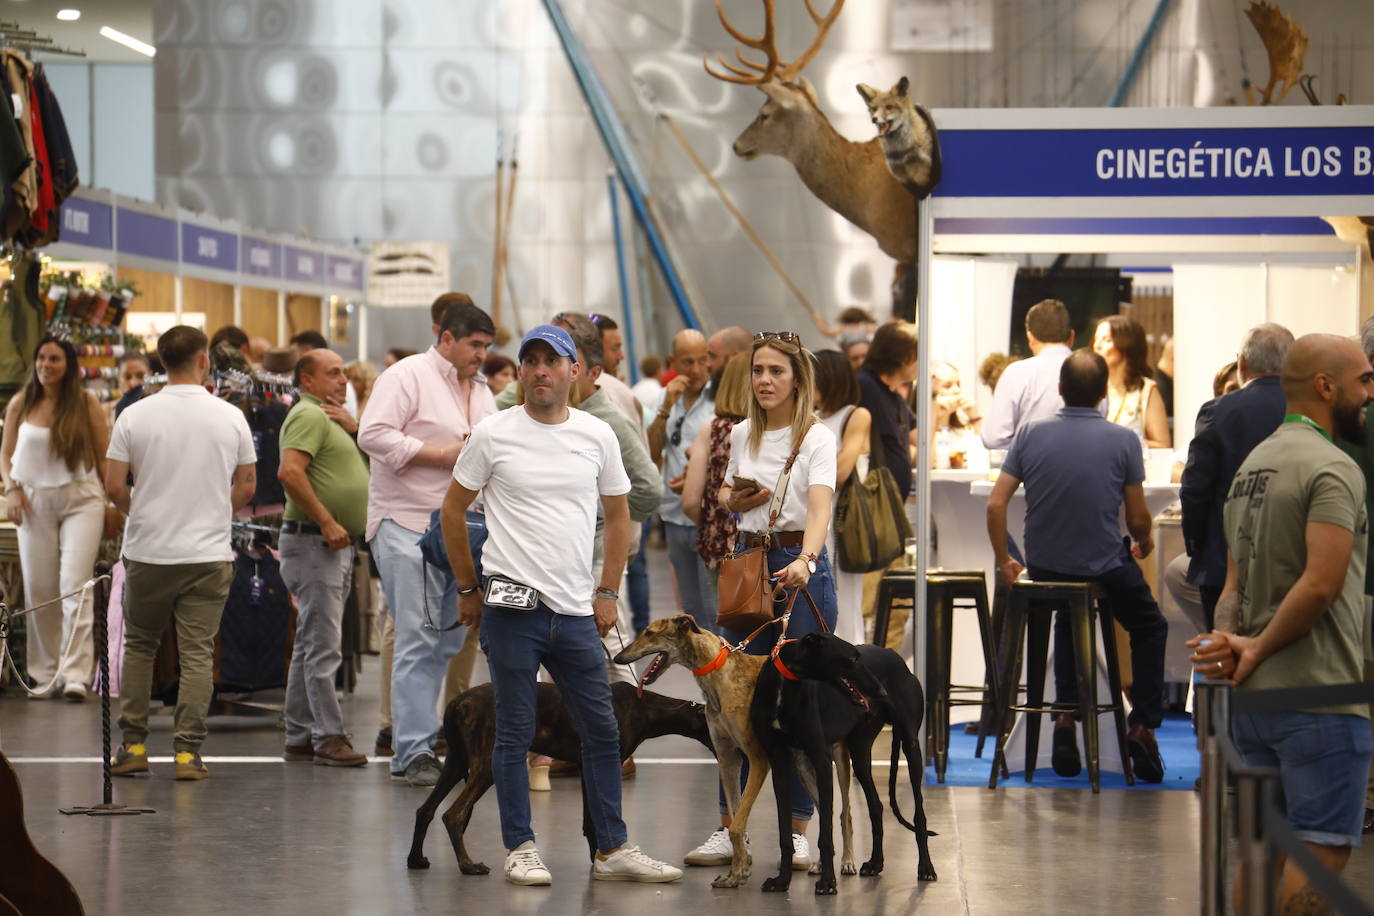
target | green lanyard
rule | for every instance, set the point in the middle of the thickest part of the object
(1303, 418)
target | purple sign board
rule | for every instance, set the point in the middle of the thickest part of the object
(147, 235)
(343, 273)
(209, 247)
(304, 266)
(87, 222)
(259, 258)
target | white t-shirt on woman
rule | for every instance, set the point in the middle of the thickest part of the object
(815, 465)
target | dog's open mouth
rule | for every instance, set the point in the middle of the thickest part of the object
(855, 694)
(653, 671)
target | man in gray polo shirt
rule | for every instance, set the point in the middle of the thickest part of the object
(1078, 469)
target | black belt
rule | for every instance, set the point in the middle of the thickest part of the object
(778, 539)
(300, 528)
(310, 528)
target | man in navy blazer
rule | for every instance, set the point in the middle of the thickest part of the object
(1227, 428)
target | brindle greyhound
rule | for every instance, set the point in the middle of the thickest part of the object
(470, 729)
(727, 681)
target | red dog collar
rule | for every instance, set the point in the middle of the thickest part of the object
(716, 663)
(777, 662)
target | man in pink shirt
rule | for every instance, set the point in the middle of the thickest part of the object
(417, 420)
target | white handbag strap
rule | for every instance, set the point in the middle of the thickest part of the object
(780, 491)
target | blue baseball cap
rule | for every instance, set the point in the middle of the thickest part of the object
(554, 336)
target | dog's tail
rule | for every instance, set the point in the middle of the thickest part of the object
(900, 742)
(454, 771)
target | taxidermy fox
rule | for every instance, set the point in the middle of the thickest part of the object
(908, 137)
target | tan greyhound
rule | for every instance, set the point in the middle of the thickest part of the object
(726, 678)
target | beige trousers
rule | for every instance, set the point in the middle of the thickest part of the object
(58, 542)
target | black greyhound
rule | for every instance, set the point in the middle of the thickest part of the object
(821, 690)
(470, 729)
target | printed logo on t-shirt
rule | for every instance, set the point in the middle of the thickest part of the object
(590, 454)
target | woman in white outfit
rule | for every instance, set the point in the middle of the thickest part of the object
(52, 462)
(837, 405)
(1133, 398)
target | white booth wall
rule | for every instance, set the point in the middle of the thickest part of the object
(970, 315)
(1215, 304)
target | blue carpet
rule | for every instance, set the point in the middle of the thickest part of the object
(1177, 745)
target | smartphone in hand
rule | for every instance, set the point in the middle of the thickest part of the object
(742, 485)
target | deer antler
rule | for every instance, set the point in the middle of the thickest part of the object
(775, 67)
(1286, 42)
(768, 44)
(790, 72)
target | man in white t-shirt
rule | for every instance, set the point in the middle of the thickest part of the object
(193, 464)
(540, 468)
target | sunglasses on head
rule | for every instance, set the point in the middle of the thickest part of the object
(789, 337)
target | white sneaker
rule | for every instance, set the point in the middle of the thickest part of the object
(523, 866)
(717, 850)
(801, 853)
(629, 864)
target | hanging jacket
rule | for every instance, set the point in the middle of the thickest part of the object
(45, 205)
(61, 155)
(21, 326)
(14, 160)
(18, 73)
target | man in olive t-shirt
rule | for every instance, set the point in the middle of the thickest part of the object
(1292, 612)
(326, 508)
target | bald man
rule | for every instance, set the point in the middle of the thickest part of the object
(1292, 612)
(682, 410)
(724, 346)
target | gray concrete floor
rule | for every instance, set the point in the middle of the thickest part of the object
(275, 838)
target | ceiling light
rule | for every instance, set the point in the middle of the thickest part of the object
(127, 41)
(69, 15)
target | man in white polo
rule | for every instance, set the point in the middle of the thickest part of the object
(541, 468)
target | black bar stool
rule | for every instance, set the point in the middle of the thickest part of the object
(1031, 608)
(946, 591)
(897, 586)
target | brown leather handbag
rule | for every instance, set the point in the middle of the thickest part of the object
(745, 598)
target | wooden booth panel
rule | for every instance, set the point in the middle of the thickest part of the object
(156, 292)
(214, 300)
(260, 314)
(302, 314)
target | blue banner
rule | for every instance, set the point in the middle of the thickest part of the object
(1165, 162)
(209, 247)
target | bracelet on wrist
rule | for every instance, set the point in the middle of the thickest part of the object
(464, 592)
(604, 592)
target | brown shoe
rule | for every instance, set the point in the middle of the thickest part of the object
(337, 752)
(627, 768)
(564, 768)
(299, 753)
(382, 747)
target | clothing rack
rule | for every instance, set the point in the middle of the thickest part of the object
(13, 35)
(237, 380)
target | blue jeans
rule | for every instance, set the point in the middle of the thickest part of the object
(422, 654)
(694, 588)
(1323, 763)
(516, 643)
(637, 583)
(802, 622)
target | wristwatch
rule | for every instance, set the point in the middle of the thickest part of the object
(810, 559)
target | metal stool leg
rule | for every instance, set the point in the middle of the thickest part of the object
(1014, 632)
(985, 632)
(1037, 653)
(1105, 619)
(939, 626)
(1085, 672)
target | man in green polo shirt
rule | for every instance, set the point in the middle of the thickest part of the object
(326, 509)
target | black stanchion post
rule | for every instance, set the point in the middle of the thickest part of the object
(1256, 885)
(101, 627)
(1212, 727)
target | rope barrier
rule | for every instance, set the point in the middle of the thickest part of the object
(7, 615)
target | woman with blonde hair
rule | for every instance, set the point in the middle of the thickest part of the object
(779, 425)
(362, 375)
(52, 460)
(707, 461)
(1133, 398)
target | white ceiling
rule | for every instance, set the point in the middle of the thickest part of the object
(132, 17)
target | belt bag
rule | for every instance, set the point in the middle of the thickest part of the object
(744, 596)
(510, 595)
